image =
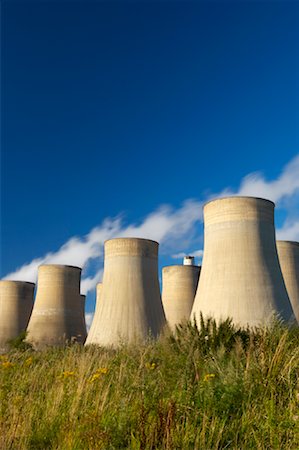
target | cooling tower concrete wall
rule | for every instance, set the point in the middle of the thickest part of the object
(130, 306)
(57, 313)
(16, 302)
(93, 329)
(240, 276)
(179, 287)
(288, 253)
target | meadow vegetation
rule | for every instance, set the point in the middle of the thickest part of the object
(208, 387)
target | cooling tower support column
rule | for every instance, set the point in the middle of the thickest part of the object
(57, 312)
(16, 302)
(179, 288)
(288, 253)
(240, 276)
(130, 306)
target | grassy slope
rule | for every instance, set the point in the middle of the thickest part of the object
(218, 388)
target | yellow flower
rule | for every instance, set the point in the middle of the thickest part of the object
(208, 376)
(3, 357)
(102, 370)
(94, 377)
(7, 364)
(28, 361)
(98, 373)
(67, 374)
(150, 366)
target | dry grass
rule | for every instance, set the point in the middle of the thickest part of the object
(209, 389)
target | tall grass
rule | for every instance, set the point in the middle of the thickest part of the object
(204, 388)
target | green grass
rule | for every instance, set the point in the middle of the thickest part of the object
(215, 388)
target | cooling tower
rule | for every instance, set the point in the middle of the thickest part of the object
(179, 288)
(93, 328)
(16, 302)
(240, 276)
(288, 253)
(57, 315)
(130, 306)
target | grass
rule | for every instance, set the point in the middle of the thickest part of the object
(207, 388)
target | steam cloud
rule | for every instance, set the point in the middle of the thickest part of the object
(175, 229)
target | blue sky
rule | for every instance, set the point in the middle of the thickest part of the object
(113, 109)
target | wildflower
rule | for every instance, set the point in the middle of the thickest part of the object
(102, 370)
(28, 361)
(98, 373)
(7, 364)
(94, 377)
(208, 376)
(67, 374)
(151, 366)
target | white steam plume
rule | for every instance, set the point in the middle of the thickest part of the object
(175, 229)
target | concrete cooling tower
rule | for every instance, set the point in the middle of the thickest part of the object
(241, 276)
(179, 288)
(130, 306)
(288, 253)
(57, 316)
(93, 327)
(16, 302)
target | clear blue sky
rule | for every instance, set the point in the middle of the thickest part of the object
(114, 107)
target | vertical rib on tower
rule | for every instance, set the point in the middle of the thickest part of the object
(179, 287)
(57, 313)
(130, 306)
(240, 276)
(288, 253)
(16, 302)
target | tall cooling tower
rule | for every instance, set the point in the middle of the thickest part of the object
(57, 313)
(179, 287)
(288, 253)
(240, 276)
(16, 302)
(130, 306)
(93, 328)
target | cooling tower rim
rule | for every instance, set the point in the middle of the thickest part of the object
(130, 238)
(20, 282)
(181, 266)
(228, 197)
(282, 241)
(60, 266)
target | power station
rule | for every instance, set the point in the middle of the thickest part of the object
(245, 276)
(16, 302)
(130, 306)
(57, 316)
(179, 284)
(241, 276)
(288, 253)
